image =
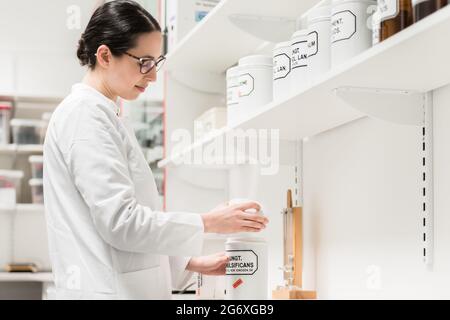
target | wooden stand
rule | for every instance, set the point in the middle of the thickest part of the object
(297, 225)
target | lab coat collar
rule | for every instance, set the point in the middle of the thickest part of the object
(110, 103)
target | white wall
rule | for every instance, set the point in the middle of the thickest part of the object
(362, 210)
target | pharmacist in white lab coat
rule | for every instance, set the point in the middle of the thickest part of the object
(108, 238)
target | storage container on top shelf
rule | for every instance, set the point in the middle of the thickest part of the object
(37, 190)
(282, 70)
(319, 46)
(27, 131)
(299, 59)
(351, 33)
(5, 116)
(11, 179)
(37, 166)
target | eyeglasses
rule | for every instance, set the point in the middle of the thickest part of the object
(147, 63)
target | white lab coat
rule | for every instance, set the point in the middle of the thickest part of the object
(108, 238)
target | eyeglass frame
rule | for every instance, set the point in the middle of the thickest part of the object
(142, 60)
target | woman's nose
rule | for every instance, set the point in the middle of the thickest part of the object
(151, 76)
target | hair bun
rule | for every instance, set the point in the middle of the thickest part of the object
(82, 52)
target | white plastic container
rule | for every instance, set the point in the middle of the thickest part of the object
(233, 86)
(246, 272)
(37, 190)
(282, 70)
(37, 166)
(299, 58)
(376, 27)
(5, 116)
(12, 179)
(351, 29)
(210, 121)
(27, 131)
(255, 82)
(319, 45)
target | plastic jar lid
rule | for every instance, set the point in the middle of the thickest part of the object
(5, 107)
(255, 61)
(36, 159)
(27, 123)
(36, 182)
(339, 2)
(416, 2)
(282, 45)
(14, 174)
(319, 14)
(300, 34)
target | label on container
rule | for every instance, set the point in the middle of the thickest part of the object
(281, 66)
(388, 9)
(242, 262)
(343, 26)
(246, 85)
(299, 54)
(313, 43)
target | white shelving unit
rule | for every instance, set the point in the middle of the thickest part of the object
(26, 277)
(390, 82)
(14, 149)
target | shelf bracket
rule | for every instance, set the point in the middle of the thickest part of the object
(407, 108)
(272, 29)
(397, 106)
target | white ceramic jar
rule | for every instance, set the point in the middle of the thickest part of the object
(281, 70)
(351, 28)
(255, 82)
(319, 46)
(247, 271)
(299, 58)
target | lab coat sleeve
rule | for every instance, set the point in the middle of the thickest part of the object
(180, 276)
(97, 161)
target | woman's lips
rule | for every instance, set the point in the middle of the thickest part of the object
(141, 89)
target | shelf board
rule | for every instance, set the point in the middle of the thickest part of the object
(31, 98)
(414, 60)
(12, 149)
(209, 47)
(26, 277)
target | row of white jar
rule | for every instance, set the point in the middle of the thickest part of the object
(333, 35)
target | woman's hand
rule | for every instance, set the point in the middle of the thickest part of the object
(233, 218)
(212, 265)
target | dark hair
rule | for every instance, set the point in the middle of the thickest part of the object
(116, 24)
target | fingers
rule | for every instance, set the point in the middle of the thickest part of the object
(249, 205)
(254, 217)
(253, 224)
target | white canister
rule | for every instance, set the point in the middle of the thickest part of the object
(246, 271)
(351, 28)
(299, 58)
(281, 70)
(233, 86)
(319, 46)
(255, 82)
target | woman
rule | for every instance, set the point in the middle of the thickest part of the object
(108, 238)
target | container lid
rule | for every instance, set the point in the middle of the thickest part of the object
(14, 174)
(300, 33)
(36, 182)
(27, 123)
(415, 2)
(4, 106)
(233, 71)
(319, 13)
(282, 45)
(336, 2)
(256, 60)
(36, 159)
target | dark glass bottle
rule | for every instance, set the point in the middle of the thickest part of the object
(395, 15)
(423, 8)
(441, 3)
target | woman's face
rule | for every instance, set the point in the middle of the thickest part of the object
(124, 76)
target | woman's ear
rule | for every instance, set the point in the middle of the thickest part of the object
(103, 56)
